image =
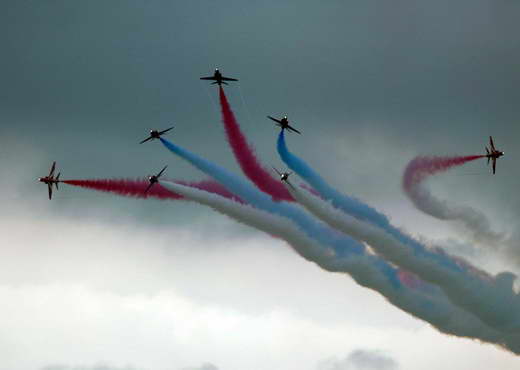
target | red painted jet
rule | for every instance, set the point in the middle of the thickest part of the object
(50, 179)
(154, 179)
(218, 78)
(154, 134)
(284, 124)
(493, 154)
(284, 176)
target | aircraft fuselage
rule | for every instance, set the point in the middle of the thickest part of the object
(48, 180)
(495, 154)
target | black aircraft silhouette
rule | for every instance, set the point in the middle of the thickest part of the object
(493, 154)
(218, 78)
(50, 179)
(284, 124)
(154, 134)
(154, 179)
(284, 176)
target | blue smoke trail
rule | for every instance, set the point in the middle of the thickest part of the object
(342, 244)
(421, 299)
(353, 206)
(492, 299)
(491, 303)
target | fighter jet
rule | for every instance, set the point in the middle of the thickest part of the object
(154, 179)
(154, 134)
(284, 176)
(50, 179)
(493, 154)
(218, 78)
(284, 124)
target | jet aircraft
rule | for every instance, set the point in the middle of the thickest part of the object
(218, 78)
(284, 176)
(154, 134)
(50, 179)
(493, 154)
(154, 179)
(284, 124)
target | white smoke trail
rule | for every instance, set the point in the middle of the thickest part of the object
(427, 302)
(493, 300)
(475, 291)
(474, 224)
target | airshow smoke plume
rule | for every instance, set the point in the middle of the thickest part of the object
(135, 188)
(422, 300)
(475, 223)
(245, 154)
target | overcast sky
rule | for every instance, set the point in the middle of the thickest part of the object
(93, 281)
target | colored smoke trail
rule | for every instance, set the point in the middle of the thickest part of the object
(381, 242)
(475, 222)
(136, 188)
(342, 245)
(494, 304)
(422, 167)
(424, 301)
(350, 205)
(493, 300)
(245, 155)
(360, 209)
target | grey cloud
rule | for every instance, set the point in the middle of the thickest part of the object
(88, 367)
(204, 366)
(361, 360)
(88, 81)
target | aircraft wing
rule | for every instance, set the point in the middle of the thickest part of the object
(147, 139)
(208, 78)
(160, 173)
(293, 129)
(148, 187)
(274, 119)
(278, 172)
(49, 186)
(491, 143)
(53, 167)
(165, 131)
(229, 79)
(494, 165)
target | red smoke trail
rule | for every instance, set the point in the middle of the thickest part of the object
(135, 188)
(246, 158)
(420, 168)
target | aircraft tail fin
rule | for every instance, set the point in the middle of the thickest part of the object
(214, 83)
(225, 83)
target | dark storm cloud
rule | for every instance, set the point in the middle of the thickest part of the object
(84, 82)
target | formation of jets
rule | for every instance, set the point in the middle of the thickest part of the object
(492, 154)
(50, 179)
